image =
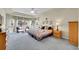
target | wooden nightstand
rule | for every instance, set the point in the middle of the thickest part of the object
(57, 34)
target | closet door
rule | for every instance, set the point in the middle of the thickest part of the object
(73, 33)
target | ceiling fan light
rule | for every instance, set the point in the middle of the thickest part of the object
(32, 11)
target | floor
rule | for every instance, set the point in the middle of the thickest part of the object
(23, 41)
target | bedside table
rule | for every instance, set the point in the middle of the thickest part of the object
(57, 34)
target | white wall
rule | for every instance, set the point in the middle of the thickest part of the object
(3, 14)
(10, 23)
(61, 15)
(0, 19)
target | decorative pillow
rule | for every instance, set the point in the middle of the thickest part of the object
(43, 27)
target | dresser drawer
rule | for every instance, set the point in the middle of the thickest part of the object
(2, 41)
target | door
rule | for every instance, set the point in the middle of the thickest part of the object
(73, 33)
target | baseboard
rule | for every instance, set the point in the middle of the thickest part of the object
(65, 38)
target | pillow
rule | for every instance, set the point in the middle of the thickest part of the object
(43, 27)
(50, 28)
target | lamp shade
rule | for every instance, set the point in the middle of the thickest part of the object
(57, 23)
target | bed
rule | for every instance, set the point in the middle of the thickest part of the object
(39, 34)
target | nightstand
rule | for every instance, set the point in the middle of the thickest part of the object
(57, 34)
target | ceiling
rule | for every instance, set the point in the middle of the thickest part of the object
(28, 10)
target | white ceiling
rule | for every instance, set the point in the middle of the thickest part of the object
(27, 10)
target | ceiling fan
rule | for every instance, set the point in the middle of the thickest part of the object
(32, 11)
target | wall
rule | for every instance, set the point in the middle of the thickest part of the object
(61, 15)
(3, 14)
(10, 22)
(0, 19)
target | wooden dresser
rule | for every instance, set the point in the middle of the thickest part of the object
(2, 40)
(57, 34)
(73, 32)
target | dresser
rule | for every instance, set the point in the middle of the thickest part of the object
(73, 32)
(57, 34)
(2, 40)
